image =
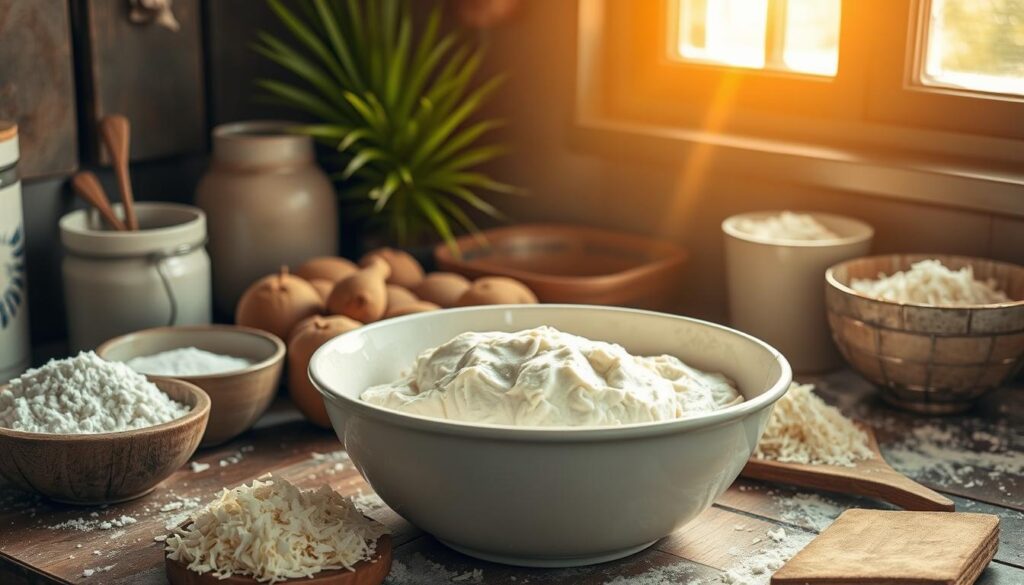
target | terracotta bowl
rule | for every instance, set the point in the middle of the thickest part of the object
(574, 264)
(105, 468)
(927, 358)
(238, 397)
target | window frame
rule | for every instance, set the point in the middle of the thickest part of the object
(897, 96)
(627, 74)
(855, 153)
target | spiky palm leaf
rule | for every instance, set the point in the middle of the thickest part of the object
(399, 111)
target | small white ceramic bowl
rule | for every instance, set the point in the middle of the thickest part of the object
(540, 496)
(777, 287)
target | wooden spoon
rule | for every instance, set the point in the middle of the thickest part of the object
(372, 572)
(88, 187)
(872, 477)
(116, 131)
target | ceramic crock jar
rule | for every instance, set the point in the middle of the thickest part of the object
(116, 282)
(14, 337)
(267, 204)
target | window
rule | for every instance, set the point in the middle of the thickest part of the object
(752, 67)
(800, 36)
(975, 45)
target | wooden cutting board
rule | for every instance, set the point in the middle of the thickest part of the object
(372, 572)
(873, 478)
(880, 547)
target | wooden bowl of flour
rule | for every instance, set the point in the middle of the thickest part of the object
(237, 397)
(105, 468)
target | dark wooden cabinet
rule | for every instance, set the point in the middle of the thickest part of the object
(149, 73)
(37, 88)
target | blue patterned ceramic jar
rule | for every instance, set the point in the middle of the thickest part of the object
(14, 340)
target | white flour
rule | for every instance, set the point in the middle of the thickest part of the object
(84, 394)
(777, 547)
(187, 361)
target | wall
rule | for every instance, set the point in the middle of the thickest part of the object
(536, 48)
(568, 184)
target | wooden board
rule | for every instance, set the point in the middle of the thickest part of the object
(37, 89)
(873, 478)
(33, 550)
(152, 75)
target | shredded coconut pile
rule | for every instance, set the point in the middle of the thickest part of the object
(803, 429)
(786, 226)
(928, 282)
(273, 531)
(84, 394)
(187, 361)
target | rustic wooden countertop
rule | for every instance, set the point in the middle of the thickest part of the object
(975, 459)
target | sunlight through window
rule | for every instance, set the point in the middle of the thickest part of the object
(801, 36)
(975, 45)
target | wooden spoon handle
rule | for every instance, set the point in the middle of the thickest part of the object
(116, 131)
(88, 187)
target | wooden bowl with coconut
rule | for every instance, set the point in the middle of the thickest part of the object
(935, 332)
(238, 367)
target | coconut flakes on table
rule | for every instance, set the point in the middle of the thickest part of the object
(802, 428)
(273, 531)
(929, 282)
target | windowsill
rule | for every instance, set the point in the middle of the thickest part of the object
(946, 182)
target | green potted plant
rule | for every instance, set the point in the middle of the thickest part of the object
(397, 102)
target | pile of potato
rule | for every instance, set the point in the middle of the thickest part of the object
(327, 296)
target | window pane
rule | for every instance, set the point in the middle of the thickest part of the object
(812, 36)
(788, 35)
(976, 45)
(730, 32)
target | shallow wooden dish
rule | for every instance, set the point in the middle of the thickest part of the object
(237, 398)
(872, 478)
(372, 572)
(106, 468)
(574, 264)
(928, 358)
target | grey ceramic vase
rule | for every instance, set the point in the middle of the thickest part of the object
(267, 204)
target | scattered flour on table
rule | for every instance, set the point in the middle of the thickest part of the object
(237, 456)
(90, 572)
(93, 522)
(809, 510)
(187, 361)
(786, 226)
(929, 282)
(804, 429)
(338, 460)
(198, 467)
(776, 547)
(419, 570)
(948, 457)
(667, 575)
(84, 394)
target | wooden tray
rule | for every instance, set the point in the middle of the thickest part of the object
(371, 572)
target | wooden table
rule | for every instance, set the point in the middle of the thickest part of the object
(33, 549)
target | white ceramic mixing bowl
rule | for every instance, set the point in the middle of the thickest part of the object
(548, 496)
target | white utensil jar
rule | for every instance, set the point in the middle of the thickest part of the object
(116, 282)
(777, 287)
(14, 339)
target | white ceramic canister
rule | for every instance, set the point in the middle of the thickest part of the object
(777, 287)
(14, 332)
(116, 282)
